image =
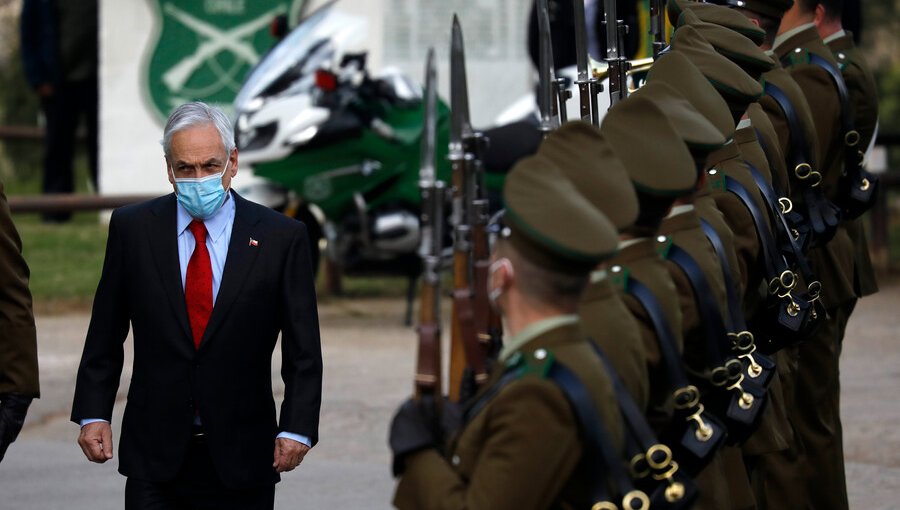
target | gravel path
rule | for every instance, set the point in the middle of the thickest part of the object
(368, 371)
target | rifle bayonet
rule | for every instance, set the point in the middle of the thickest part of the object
(588, 86)
(618, 64)
(658, 26)
(547, 84)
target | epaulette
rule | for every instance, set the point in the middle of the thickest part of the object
(618, 277)
(843, 60)
(715, 180)
(797, 57)
(537, 363)
(663, 246)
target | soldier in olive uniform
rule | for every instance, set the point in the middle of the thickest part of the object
(18, 342)
(864, 99)
(520, 446)
(816, 415)
(588, 161)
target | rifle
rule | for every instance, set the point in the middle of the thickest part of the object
(552, 93)
(467, 357)
(618, 64)
(588, 86)
(428, 361)
(658, 26)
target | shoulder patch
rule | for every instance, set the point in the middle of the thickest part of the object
(715, 180)
(797, 57)
(538, 363)
(618, 277)
(663, 246)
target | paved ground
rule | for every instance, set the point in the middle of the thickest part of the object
(369, 360)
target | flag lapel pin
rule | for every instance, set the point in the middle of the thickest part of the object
(253, 242)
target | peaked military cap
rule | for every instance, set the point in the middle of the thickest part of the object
(728, 18)
(586, 158)
(656, 158)
(736, 86)
(550, 223)
(675, 70)
(771, 8)
(700, 135)
(730, 44)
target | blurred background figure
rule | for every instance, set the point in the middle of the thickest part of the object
(59, 54)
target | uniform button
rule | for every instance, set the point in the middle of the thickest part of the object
(455, 460)
(616, 269)
(540, 354)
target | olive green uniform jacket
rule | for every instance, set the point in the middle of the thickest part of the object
(522, 450)
(606, 320)
(864, 98)
(18, 342)
(833, 264)
(640, 259)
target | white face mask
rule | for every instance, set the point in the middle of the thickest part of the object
(495, 293)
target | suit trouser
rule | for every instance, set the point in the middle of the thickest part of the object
(196, 487)
(816, 414)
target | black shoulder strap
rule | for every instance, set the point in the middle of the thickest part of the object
(781, 223)
(799, 149)
(600, 456)
(707, 308)
(669, 354)
(774, 260)
(631, 412)
(735, 311)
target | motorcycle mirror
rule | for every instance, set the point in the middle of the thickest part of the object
(326, 80)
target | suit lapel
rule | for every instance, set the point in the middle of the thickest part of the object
(238, 263)
(164, 245)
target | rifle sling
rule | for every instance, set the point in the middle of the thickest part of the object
(707, 307)
(774, 261)
(734, 301)
(669, 355)
(798, 151)
(770, 196)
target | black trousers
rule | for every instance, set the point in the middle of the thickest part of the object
(196, 487)
(70, 102)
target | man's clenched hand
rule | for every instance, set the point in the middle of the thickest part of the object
(288, 454)
(96, 442)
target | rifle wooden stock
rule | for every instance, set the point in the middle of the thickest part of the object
(428, 360)
(485, 319)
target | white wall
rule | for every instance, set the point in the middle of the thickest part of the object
(400, 31)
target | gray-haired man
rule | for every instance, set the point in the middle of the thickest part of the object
(207, 281)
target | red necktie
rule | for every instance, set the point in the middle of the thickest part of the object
(198, 284)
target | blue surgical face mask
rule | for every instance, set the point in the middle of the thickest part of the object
(201, 197)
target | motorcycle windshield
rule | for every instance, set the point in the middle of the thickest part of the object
(289, 68)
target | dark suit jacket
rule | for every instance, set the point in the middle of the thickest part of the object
(265, 289)
(18, 343)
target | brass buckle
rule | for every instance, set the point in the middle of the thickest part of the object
(804, 171)
(662, 464)
(746, 400)
(640, 497)
(754, 369)
(786, 205)
(851, 138)
(704, 432)
(814, 289)
(638, 470)
(743, 341)
(719, 377)
(865, 185)
(783, 285)
(604, 505)
(691, 397)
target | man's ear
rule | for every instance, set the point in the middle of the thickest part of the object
(234, 161)
(170, 174)
(820, 15)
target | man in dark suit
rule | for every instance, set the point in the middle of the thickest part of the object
(207, 281)
(19, 383)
